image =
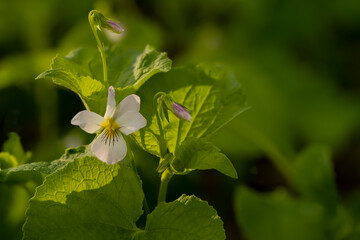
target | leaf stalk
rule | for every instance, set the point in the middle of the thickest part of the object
(165, 179)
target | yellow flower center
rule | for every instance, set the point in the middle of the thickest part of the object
(111, 127)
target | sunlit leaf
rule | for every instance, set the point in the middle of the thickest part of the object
(81, 72)
(93, 200)
(88, 198)
(36, 170)
(187, 218)
(211, 103)
(198, 154)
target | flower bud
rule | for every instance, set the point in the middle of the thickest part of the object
(166, 103)
(181, 112)
(101, 22)
(114, 27)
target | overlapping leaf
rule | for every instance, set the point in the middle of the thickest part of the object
(211, 102)
(88, 199)
(187, 218)
(36, 169)
(199, 154)
(81, 72)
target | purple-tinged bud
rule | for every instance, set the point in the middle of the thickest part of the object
(98, 20)
(181, 112)
(114, 27)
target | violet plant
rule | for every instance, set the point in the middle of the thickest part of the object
(95, 191)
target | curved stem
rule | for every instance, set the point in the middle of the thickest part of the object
(100, 46)
(157, 95)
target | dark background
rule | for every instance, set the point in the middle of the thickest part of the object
(298, 62)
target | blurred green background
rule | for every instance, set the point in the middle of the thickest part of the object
(298, 62)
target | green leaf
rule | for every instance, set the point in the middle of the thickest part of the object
(220, 72)
(136, 69)
(89, 200)
(14, 147)
(277, 216)
(36, 170)
(211, 102)
(93, 200)
(198, 154)
(66, 72)
(7, 160)
(81, 72)
(313, 176)
(186, 218)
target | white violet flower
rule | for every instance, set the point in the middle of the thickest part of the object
(110, 146)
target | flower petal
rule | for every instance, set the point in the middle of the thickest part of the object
(109, 149)
(111, 103)
(88, 121)
(130, 122)
(130, 103)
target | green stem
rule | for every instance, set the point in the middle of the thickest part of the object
(157, 95)
(167, 174)
(100, 45)
(165, 179)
